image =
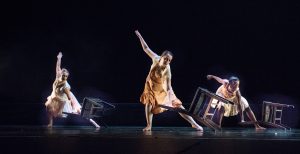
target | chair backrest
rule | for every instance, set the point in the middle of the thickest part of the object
(95, 107)
(272, 112)
(201, 103)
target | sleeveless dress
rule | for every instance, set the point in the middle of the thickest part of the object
(231, 110)
(58, 101)
(155, 90)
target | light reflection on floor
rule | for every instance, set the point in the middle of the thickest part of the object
(157, 132)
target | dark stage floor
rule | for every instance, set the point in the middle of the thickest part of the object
(76, 139)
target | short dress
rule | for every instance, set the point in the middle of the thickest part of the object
(231, 110)
(58, 101)
(155, 90)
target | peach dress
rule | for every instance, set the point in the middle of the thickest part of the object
(231, 110)
(155, 91)
(58, 101)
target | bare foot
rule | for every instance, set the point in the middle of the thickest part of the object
(49, 125)
(260, 128)
(197, 127)
(148, 128)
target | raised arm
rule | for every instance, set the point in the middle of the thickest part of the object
(146, 48)
(58, 63)
(222, 81)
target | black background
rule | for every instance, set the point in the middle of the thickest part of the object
(258, 41)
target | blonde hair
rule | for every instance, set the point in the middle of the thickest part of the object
(167, 52)
(63, 70)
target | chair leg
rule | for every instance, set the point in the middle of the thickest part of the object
(94, 123)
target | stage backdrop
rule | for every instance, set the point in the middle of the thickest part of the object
(256, 41)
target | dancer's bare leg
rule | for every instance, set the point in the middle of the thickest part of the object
(149, 116)
(221, 115)
(50, 118)
(190, 120)
(251, 116)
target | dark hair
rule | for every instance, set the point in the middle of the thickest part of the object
(233, 79)
(167, 52)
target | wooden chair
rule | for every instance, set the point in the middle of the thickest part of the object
(272, 114)
(94, 108)
(203, 107)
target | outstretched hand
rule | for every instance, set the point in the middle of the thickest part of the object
(209, 77)
(137, 33)
(59, 55)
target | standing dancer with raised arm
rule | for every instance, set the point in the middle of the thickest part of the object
(158, 89)
(230, 90)
(61, 98)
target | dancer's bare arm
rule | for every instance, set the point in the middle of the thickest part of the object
(68, 93)
(146, 48)
(220, 80)
(169, 86)
(240, 106)
(169, 83)
(58, 63)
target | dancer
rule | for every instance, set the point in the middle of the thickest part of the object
(230, 91)
(158, 89)
(61, 98)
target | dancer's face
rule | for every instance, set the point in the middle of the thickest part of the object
(166, 59)
(234, 85)
(64, 76)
